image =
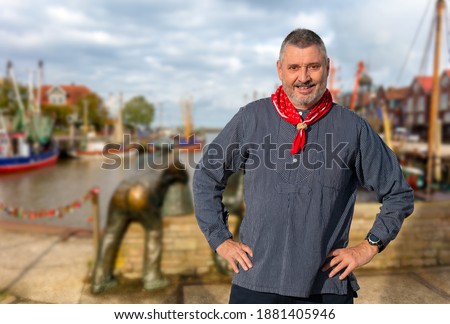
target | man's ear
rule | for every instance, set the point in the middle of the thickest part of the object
(279, 69)
(328, 66)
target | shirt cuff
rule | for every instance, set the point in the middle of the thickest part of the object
(218, 238)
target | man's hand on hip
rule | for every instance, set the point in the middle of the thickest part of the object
(235, 253)
(350, 259)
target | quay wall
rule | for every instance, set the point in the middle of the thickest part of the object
(423, 241)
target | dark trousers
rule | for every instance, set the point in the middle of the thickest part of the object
(240, 295)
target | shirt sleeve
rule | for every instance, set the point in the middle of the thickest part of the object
(221, 159)
(378, 170)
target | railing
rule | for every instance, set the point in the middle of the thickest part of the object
(59, 212)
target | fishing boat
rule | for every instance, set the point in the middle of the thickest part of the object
(99, 149)
(189, 141)
(96, 147)
(27, 144)
(17, 155)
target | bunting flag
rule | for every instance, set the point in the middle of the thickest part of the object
(19, 212)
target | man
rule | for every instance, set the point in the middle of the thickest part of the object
(303, 158)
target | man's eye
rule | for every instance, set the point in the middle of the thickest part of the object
(314, 67)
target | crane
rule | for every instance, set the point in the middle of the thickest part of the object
(334, 90)
(355, 88)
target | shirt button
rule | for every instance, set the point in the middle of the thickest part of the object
(295, 160)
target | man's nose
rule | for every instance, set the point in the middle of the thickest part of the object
(303, 75)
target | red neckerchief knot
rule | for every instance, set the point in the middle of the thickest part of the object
(289, 113)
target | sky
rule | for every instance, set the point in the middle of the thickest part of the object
(220, 54)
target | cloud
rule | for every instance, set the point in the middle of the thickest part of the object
(311, 20)
(226, 64)
(220, 52)
(66, 16)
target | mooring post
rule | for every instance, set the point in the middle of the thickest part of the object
(95, 220)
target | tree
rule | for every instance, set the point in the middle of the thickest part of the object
(138, 112)
(97, 112)
(60, 114)
(10, 107)
(8, 100)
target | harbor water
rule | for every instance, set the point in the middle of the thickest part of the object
(68, 181)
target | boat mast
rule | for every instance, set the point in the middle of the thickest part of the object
(187, 117)
(40, 76)
(10, 74)
(31, 103)
(4, 133)
(119, 122)
(85, 117)
(440, 6)
(386, 125)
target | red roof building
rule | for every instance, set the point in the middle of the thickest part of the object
(394, 99)
(425, 82)
(417, 107)
(63, 94)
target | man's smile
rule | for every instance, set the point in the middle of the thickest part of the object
(304, 88)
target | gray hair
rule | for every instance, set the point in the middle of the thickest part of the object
(302, 38)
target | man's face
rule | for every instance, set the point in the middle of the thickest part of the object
(303, 73)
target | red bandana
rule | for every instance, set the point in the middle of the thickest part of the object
(287, 111)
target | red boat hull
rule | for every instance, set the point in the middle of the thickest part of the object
(29, 165)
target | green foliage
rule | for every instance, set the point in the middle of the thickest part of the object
(97, 112)
(37, 127)
(138, 112)
(59, 113)
(9, 105)
(8, 102)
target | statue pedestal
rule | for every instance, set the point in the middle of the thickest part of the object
(184, 252)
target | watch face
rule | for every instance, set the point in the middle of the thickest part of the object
(373, 239)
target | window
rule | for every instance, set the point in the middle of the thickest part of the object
(421, 104)
(444, 101)
(421, 119)
(447, 118)
(409, 120)
(444, 83)
(57, 99)
(410, 105)
(56, 96)
(416, 87)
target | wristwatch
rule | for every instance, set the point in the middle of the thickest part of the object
(374, 240)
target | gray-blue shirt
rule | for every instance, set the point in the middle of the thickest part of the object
(298, 207)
